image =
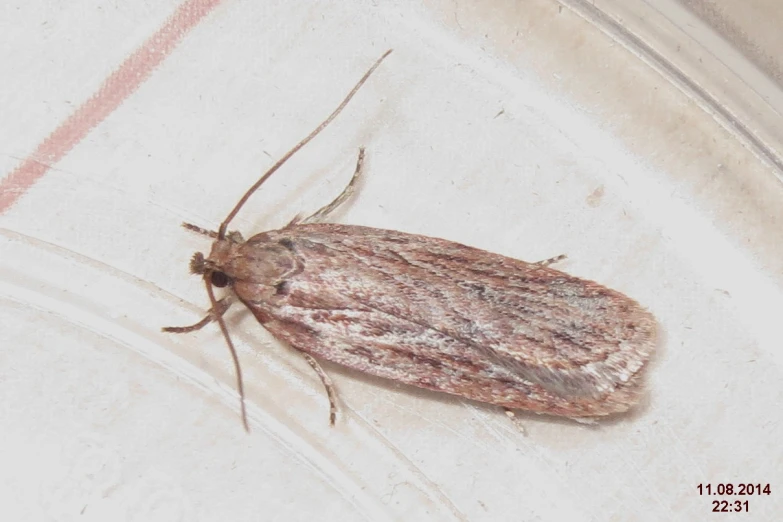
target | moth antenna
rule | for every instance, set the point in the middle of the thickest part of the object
(199, 230)
(295, 149)
(237, 368)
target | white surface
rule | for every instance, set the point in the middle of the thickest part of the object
(523, 131)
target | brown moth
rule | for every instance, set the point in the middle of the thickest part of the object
(429, 312)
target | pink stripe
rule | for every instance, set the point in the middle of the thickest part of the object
(118, 86)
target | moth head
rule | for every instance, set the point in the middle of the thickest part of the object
(201, 266)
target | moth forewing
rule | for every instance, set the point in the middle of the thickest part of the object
(444, 316)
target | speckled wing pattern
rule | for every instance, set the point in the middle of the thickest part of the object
(444, 316)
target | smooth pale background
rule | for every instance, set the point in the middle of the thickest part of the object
(643, 143)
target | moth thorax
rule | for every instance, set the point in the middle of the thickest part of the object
(264, 263)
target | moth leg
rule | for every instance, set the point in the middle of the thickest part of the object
(212, 315)
(513, 418)
(233, 235)
(321, 214)
(327, 382)
(588, 421)
(296, 219)
(551, 260)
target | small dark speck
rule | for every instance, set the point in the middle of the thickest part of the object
(282, 288)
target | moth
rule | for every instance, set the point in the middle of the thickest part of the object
(429, 312)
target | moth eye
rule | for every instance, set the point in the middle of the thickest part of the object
(219, 279)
